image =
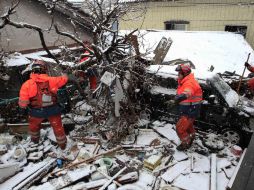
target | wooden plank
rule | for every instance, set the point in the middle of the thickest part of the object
(175, 171)
(213, 179)
(36, 176)
(245, 172)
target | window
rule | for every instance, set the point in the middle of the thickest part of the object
(176, 25)
(237, 29)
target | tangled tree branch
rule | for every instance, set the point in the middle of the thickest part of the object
(73, 37)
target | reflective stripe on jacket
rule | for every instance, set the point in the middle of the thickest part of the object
(189, 86)
(29, 88)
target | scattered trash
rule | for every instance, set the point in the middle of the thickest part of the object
(19, 153)
(152, 162)
(7, 139)
(236, 150)
(59, 163)
(7, 170)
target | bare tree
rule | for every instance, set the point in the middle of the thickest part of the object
(112, 54)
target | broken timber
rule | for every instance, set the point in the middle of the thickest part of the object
(114, 177)
(89, 159)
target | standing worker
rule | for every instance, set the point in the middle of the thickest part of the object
(90, 73)
(189, 96)
(39, 93)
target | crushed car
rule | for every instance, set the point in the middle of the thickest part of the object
(222, 109)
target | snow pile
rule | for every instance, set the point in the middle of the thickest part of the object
(17, 59)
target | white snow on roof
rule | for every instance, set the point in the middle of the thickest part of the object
(17, 59)
(224, 50)
(169, 71)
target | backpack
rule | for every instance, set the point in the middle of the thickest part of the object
(44, 96)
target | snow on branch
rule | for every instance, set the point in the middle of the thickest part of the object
(75, 38)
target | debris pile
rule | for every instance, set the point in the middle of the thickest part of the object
(144, 158)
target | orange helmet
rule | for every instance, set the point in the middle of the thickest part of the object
(184, 68)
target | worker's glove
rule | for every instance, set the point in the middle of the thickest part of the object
(180, 97)
(23, 111)
(246, 64)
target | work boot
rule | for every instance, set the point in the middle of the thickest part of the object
(183, 146)
(70, 152)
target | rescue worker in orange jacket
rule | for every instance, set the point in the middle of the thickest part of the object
(91, 73)
(250, 83)
(189, 97)
(39, 94)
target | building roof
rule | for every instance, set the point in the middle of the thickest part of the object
(224, 51)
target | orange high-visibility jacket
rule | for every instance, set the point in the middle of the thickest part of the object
(189, 86)
(29, 88)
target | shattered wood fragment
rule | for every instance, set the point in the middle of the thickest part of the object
(168, 132)
(128, 178)
(175, 171)
(7, 170)
(39, 174)
(158, 171)
(87, 140)
(35, 156)
(108, 177)
(89, 159)
(72, 176)
(161, 50)
(114, 177)
(96, 148)
(89, 185)
(28, 171)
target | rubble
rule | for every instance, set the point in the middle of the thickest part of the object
(149, 162)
